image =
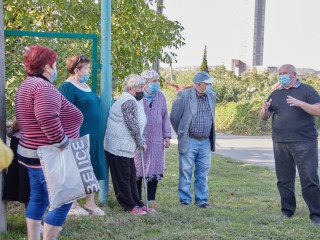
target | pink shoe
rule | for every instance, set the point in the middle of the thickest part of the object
(138, 211)
(144, 208)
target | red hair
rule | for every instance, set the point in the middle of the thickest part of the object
(36, 57)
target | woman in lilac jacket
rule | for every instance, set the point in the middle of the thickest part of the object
(157, 133)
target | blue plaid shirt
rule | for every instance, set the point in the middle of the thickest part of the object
(202, 124)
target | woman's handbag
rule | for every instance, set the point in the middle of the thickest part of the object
(68, 173)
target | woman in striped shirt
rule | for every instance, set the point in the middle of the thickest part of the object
(44, 117)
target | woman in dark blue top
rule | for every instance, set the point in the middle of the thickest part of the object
(80, 94)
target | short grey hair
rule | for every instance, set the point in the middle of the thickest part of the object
(132, 81)
(292, 68)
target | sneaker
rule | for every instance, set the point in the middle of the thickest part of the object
(153, 204)
(78, 212)
(144, 208)
(316, 221)
(94, 211)
(138, 211)
(283, 216)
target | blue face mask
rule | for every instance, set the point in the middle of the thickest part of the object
(208, 89)
(284, 79)
(54, 75)
(153, 87)
(84, 79)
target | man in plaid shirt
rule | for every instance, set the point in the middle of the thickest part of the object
(192, 118)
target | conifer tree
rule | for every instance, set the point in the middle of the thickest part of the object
(204, 65)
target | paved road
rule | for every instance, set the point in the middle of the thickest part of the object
(255, 150)
(249, 149)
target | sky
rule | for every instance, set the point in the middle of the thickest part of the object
(292, 31)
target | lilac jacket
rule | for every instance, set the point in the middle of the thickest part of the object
(157, 129)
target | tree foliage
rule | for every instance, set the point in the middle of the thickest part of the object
(139, 35)
(204, 64)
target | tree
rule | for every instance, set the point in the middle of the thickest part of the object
(139, 35)
(204, 65)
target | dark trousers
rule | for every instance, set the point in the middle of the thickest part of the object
(151, 189)
(304, 155)
(123, 174)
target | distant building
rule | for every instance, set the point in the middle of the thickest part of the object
(273, 69)
(238, 67)
(258, 38)
(251, 25)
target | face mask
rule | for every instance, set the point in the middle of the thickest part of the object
(84, 79)
(54, 75)
(153, 87)
(284, 79)
(139, 96)
(208, 89)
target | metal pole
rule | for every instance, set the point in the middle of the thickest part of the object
(105, 82)
(3, 205)
(156, 66)
(144, 180)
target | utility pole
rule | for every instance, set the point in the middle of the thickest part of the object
(171, 72)
(156, 65)
(3, 205)
(105, 83)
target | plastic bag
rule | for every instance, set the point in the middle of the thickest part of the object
(68, 173)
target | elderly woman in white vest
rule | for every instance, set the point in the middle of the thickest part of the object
(124, 134)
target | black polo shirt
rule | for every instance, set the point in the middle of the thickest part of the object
(293, 124)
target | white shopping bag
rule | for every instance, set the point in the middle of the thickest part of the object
(68, 173)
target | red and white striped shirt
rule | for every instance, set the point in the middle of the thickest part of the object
(45, 117)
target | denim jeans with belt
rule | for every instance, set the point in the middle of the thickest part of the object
(199, 155)
(304, 155)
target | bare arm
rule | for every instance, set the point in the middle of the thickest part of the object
(264, 113)
(312, 109)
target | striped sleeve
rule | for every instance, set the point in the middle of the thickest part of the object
(47, 105)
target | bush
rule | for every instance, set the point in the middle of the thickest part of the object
(238, 109)
(241, 118)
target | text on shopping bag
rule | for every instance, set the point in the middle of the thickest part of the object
(84, 165)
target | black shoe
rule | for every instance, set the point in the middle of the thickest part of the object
(283, 216)
(316, 221)
(205, 206)
(185, 204)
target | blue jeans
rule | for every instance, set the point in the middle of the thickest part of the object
(39, 201)
(198, 154)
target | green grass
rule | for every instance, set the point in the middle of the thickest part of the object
(246, 206)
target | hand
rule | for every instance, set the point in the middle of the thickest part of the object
(66, 147)
(266, 105)
(293, 101)
(167, 142)
(145, 147)
(15, 127)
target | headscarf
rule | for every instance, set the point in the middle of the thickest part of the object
(149, 74)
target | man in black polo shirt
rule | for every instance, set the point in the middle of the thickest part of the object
(295, 140)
